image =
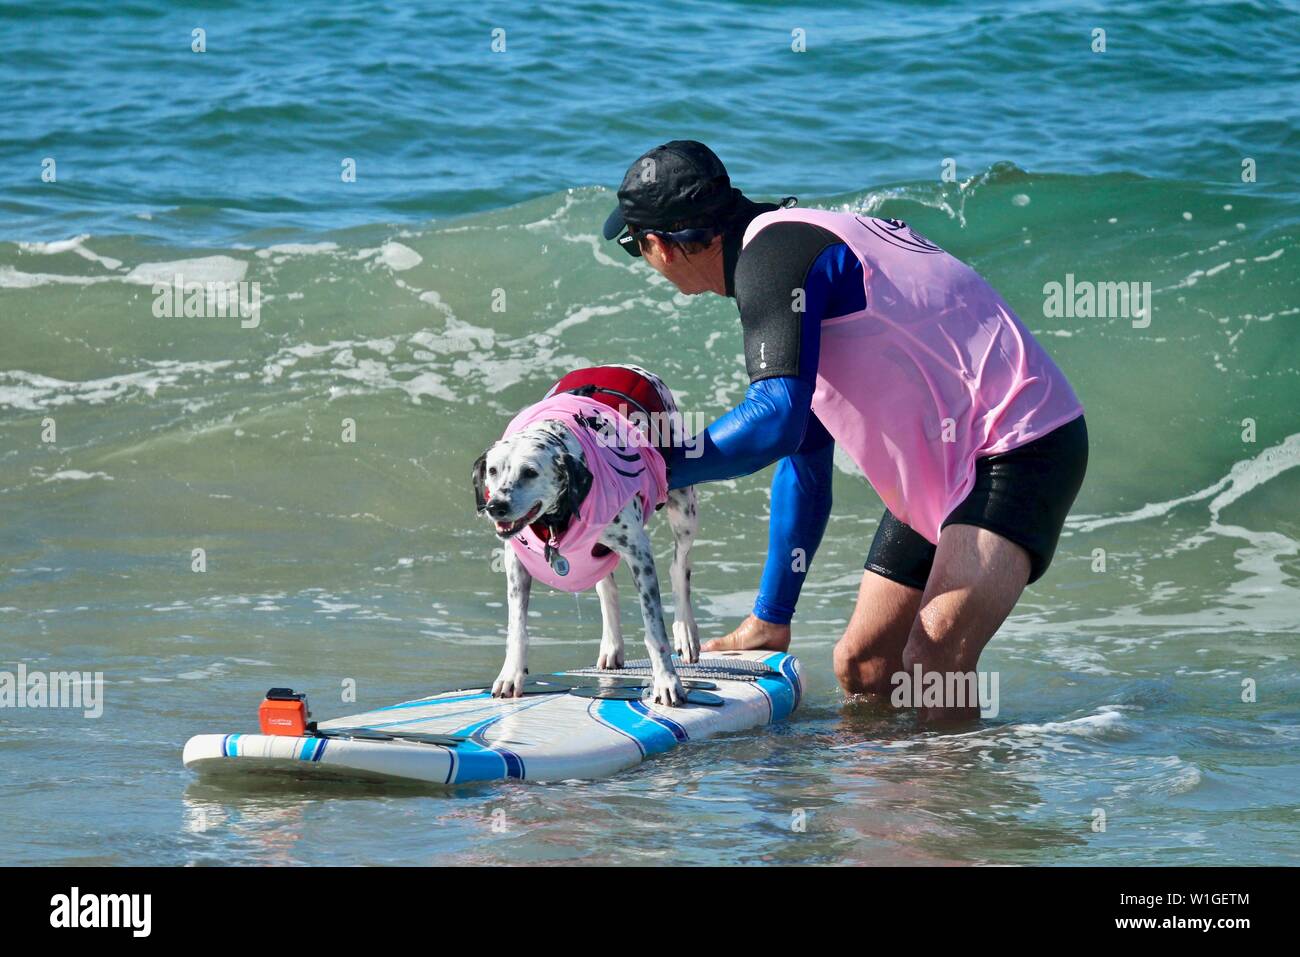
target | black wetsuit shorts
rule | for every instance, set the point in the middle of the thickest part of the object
(1022, 495)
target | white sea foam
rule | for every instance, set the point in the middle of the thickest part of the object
(399, 258)
(546, 222)
(439, 359)
(29, 390)
(76, 475)
(74, 245)
(586, 313)
(284, 250)
(1102, 723)
(434, 299)
(205, 269)
(598, 248)
(11, 278)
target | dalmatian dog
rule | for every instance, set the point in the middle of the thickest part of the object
(537, 479)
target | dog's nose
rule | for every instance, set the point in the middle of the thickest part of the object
(497, 508)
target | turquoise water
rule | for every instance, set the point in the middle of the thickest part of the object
(1121, 689)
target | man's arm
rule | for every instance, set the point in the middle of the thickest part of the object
(801, 507)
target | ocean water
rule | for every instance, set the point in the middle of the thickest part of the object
(1121, 687)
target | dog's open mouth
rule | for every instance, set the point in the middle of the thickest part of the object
(507, 529)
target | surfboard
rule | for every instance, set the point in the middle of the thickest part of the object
(580, 724)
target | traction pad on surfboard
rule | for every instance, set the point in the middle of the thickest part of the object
(602, 679)
(638, 693)
(710, 668)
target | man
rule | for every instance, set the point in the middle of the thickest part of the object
(859, 331)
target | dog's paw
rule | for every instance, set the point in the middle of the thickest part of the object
(686, 641)
(510, 683)
(668, 690)
(611, 656)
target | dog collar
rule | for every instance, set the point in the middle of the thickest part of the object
(551, 550)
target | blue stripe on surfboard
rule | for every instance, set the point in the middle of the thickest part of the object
(650, 736)
(653, 737)
(771, 708)
(481, 760)
(514, 763)
(312, 749)
(594, 712)
(473, 761)
(787, 669)
(783, 692)
(453, 764)
(675, 729)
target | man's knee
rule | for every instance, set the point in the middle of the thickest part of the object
(842, 661)
(862, 672)
(920, 652)
(936, 645)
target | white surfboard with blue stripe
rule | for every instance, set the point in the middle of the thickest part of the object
(540, 737)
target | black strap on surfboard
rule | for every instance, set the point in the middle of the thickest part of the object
(373, 734)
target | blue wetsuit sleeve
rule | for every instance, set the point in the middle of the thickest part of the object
(801, 507)
(768, 425)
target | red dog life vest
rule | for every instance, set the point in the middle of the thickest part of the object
(623, 389)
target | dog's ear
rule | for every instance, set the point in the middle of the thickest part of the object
(577, 483)
(479, 478)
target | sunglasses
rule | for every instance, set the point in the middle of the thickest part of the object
(632, 247)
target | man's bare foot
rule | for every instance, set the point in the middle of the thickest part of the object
(753, 633)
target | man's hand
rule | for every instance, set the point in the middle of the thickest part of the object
(753, 633)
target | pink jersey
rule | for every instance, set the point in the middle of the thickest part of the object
(617, 473)
(934, 373)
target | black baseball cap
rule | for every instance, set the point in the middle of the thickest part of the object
(680, 181)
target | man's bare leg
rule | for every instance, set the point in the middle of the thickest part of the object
(872, 647)
(976, 580)
(753, 633)
(871, 650)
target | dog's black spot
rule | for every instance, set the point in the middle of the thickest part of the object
(478, 476)
(573, 479)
